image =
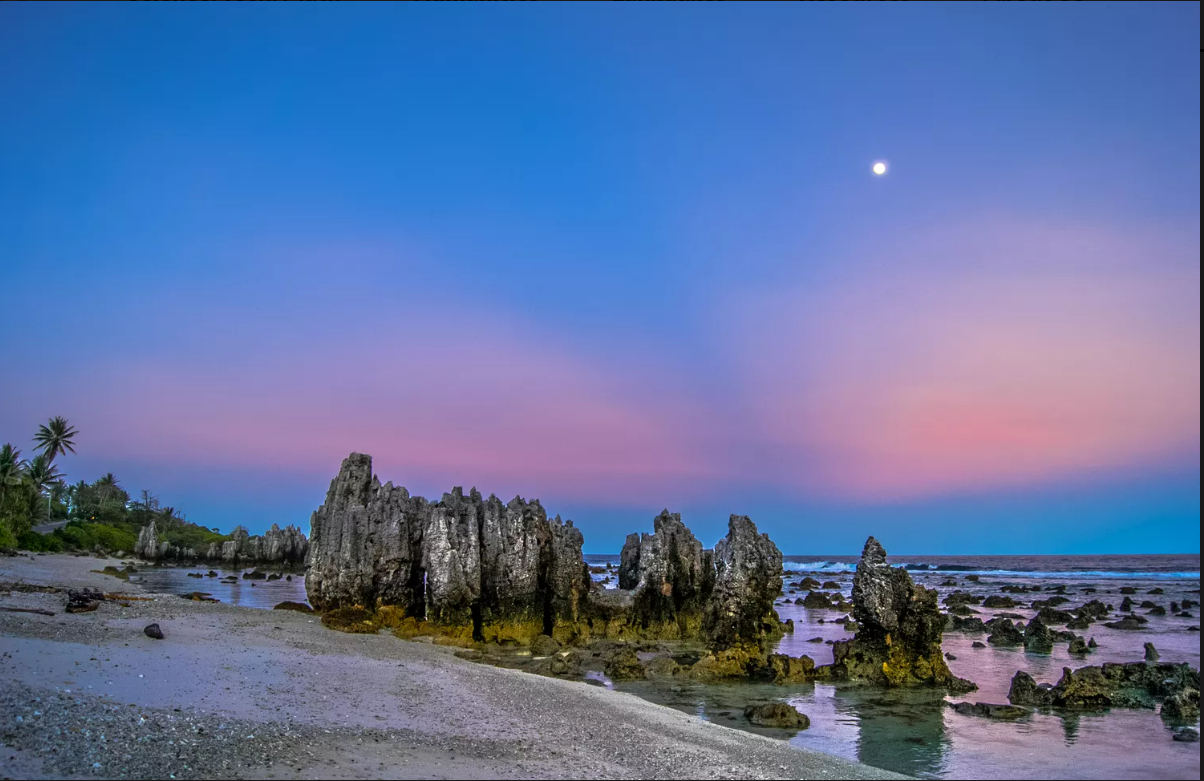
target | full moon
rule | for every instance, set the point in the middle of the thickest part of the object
(879, 168)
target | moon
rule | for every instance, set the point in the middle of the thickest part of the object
(879, 168)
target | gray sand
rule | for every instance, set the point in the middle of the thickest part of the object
(242, 693)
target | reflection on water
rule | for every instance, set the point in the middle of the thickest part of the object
(905, 734)
(228, 586)
(917, 734)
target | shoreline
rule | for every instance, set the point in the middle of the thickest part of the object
(322, 703)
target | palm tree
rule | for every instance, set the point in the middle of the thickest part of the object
(12, 468)
(42, 474)
(75, 497)
(57, 437)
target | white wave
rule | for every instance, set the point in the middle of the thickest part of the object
(818, 566)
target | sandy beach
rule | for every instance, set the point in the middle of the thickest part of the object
(242, 693)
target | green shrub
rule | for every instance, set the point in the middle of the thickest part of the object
(40, 543)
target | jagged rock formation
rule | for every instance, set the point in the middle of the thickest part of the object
(681, 590)
(468, 568)
(672, 577)
(899, 639)
(747, 581)
(1130, 685)
(465, 565)
(277, 546)
(629, 562)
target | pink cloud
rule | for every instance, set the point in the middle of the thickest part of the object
(442, 395)
(991, 354)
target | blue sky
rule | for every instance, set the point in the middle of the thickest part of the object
(619, 257)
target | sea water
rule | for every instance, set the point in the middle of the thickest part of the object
(917, 734)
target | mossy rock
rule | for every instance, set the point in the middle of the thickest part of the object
(354, 620)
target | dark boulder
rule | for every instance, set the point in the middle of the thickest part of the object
(154, 632)
(972, 624)
(790, 669)
(1026, 691)
(776, 714)
(1151, 653)
(544, 646)
(955, 598)
(1037, 638)
(622, 664)
(1051, 616)
(817, 600)
(1005, 633)
(1129, 623)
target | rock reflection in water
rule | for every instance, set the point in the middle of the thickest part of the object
(903, 731)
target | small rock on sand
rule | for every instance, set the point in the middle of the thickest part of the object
(154, 632)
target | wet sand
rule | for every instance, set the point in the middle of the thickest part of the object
(242, 693)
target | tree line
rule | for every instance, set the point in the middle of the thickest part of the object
(100, 515)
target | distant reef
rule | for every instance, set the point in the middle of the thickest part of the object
(277, 546)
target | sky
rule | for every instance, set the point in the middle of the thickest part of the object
(619, 257)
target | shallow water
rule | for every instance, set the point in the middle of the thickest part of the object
(264, 594)
(917, 734)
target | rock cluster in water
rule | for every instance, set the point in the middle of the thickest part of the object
(898, 642)
(276, 546)
(1112, 685)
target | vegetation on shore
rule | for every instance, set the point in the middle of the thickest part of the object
(99, 515)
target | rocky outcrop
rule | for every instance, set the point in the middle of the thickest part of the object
(899, 640)
(629, 562)
(747, 581)
(464, 565)
(1131, 685)
(277, 547)
(674, 578)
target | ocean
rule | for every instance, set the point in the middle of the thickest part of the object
(915, 732)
